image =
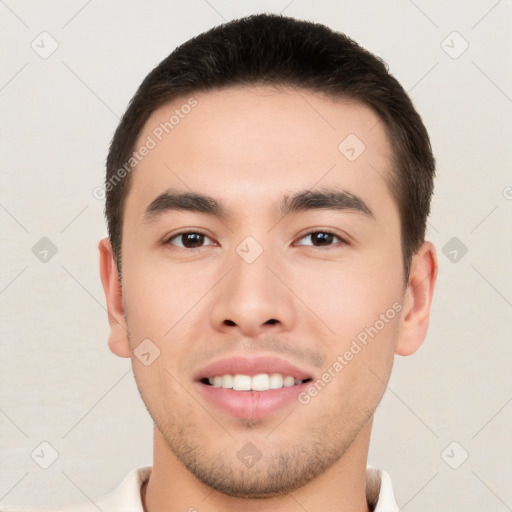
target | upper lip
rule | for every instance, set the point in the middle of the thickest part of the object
(252, 366)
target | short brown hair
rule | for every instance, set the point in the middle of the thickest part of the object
(278, 50)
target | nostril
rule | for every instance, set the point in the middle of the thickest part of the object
(229, 322)
(271, 321)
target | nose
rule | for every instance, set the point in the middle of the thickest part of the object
(252, 299)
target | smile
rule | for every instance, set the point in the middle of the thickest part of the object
(260, 382)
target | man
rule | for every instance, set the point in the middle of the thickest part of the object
(267, 193)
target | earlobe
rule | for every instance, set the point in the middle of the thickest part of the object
(417, 300)
(118, 339)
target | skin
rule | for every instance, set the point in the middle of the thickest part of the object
(247, 148)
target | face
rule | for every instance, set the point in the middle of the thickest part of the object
(299, 263)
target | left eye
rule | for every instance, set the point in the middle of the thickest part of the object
(324, 238)
(189, 240)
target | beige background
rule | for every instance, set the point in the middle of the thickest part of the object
(60, 384)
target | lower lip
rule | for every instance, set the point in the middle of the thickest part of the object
(252, 404)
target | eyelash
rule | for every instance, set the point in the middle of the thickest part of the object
(324, 231)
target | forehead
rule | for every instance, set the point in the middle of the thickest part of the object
(249, 146)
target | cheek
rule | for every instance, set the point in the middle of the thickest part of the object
(361, 365)
(158, 388)
(361, 305)
(349, 296)
(354, 379)
(160, 294)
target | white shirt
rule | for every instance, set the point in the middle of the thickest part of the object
(126, 496)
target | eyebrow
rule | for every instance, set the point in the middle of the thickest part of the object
(304, 200)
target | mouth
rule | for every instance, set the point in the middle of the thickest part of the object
(252, 388)
(260, 382)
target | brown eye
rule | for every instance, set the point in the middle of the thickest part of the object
(322, 238)
(188, 240)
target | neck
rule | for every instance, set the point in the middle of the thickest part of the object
(341, 488)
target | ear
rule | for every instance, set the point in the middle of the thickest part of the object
(118, 341)
(417, 300)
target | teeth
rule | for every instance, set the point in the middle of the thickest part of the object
(260, 382)
(227, 381)
(289, 381)
(276, 381)
(241, 383)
